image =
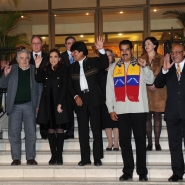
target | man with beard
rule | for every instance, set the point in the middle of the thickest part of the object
(126, 99)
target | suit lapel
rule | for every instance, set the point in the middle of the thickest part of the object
(174, 74)
(31, 76)
(66, 58)
(32, 61)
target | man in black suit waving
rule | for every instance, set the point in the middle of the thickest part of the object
(173, 76)
(68, 59)
(84, 88)
(36, 44)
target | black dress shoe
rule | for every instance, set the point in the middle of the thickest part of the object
(97, 162)
(68, 137)
(52, 161)
(116, 149)
(175, 178)
(16, 162)
(108, 149)
(143, 177)
(32, 162)
(158, 147)
(149, 148)
(83, 163)
(125, 177)
(60, 160)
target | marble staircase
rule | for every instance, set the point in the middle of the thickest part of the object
(158, 163)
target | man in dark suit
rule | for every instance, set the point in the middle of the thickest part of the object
(36, 44)
(68, 59)
(83, 86)
(173, 76)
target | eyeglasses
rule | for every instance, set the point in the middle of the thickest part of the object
(38, 43)
(175, 52)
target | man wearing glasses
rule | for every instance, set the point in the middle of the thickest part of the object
(173, 76)
(36, 44)
(68, 59)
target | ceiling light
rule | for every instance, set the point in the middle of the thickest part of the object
(81, 36)
(43, 37)
(120, 34)
(22, 16)
(55, 15)
(87, 14)
(155, 10)
(121, 12)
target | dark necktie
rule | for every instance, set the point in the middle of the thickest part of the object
(36, 56)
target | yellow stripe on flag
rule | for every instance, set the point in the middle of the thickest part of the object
(119, 71)
(133, 70)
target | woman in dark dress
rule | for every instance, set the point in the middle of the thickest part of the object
(53, 110)
(108, 124)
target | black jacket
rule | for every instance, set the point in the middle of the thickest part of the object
(175, 103)
(91, 67)
(44, 60)
(54, 93)
(65, 58)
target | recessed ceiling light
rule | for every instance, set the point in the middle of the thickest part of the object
(43, 37)
(81, 36)
(120, 34)
(121, 12)
(22, 16)
(55, 15)
(155, 10)
(87, 14)
(169, 33)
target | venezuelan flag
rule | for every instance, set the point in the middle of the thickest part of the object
(132, 83)
(119, 82)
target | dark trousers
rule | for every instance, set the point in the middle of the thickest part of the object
(127, 123)
(175, 134)
(83, 116)
(70, 130)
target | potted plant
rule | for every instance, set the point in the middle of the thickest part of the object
(8, 38)
(180, 15)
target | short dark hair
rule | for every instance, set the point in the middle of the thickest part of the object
(69, 37)
(80, 47)
(154, 42)
(36, 36)
(60, 63)
(125, 42)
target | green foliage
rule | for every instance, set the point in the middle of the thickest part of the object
(8, 38)
(180, 15)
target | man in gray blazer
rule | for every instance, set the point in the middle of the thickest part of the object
(22, 102)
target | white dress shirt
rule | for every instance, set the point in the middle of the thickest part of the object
(83, 81)
(181, 67)
(69, 53)
(39, 53)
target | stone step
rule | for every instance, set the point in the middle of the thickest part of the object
(72, 171)
(70, 144)
(5, 133)
(4, 122)
(82, 181)
(112, 157)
